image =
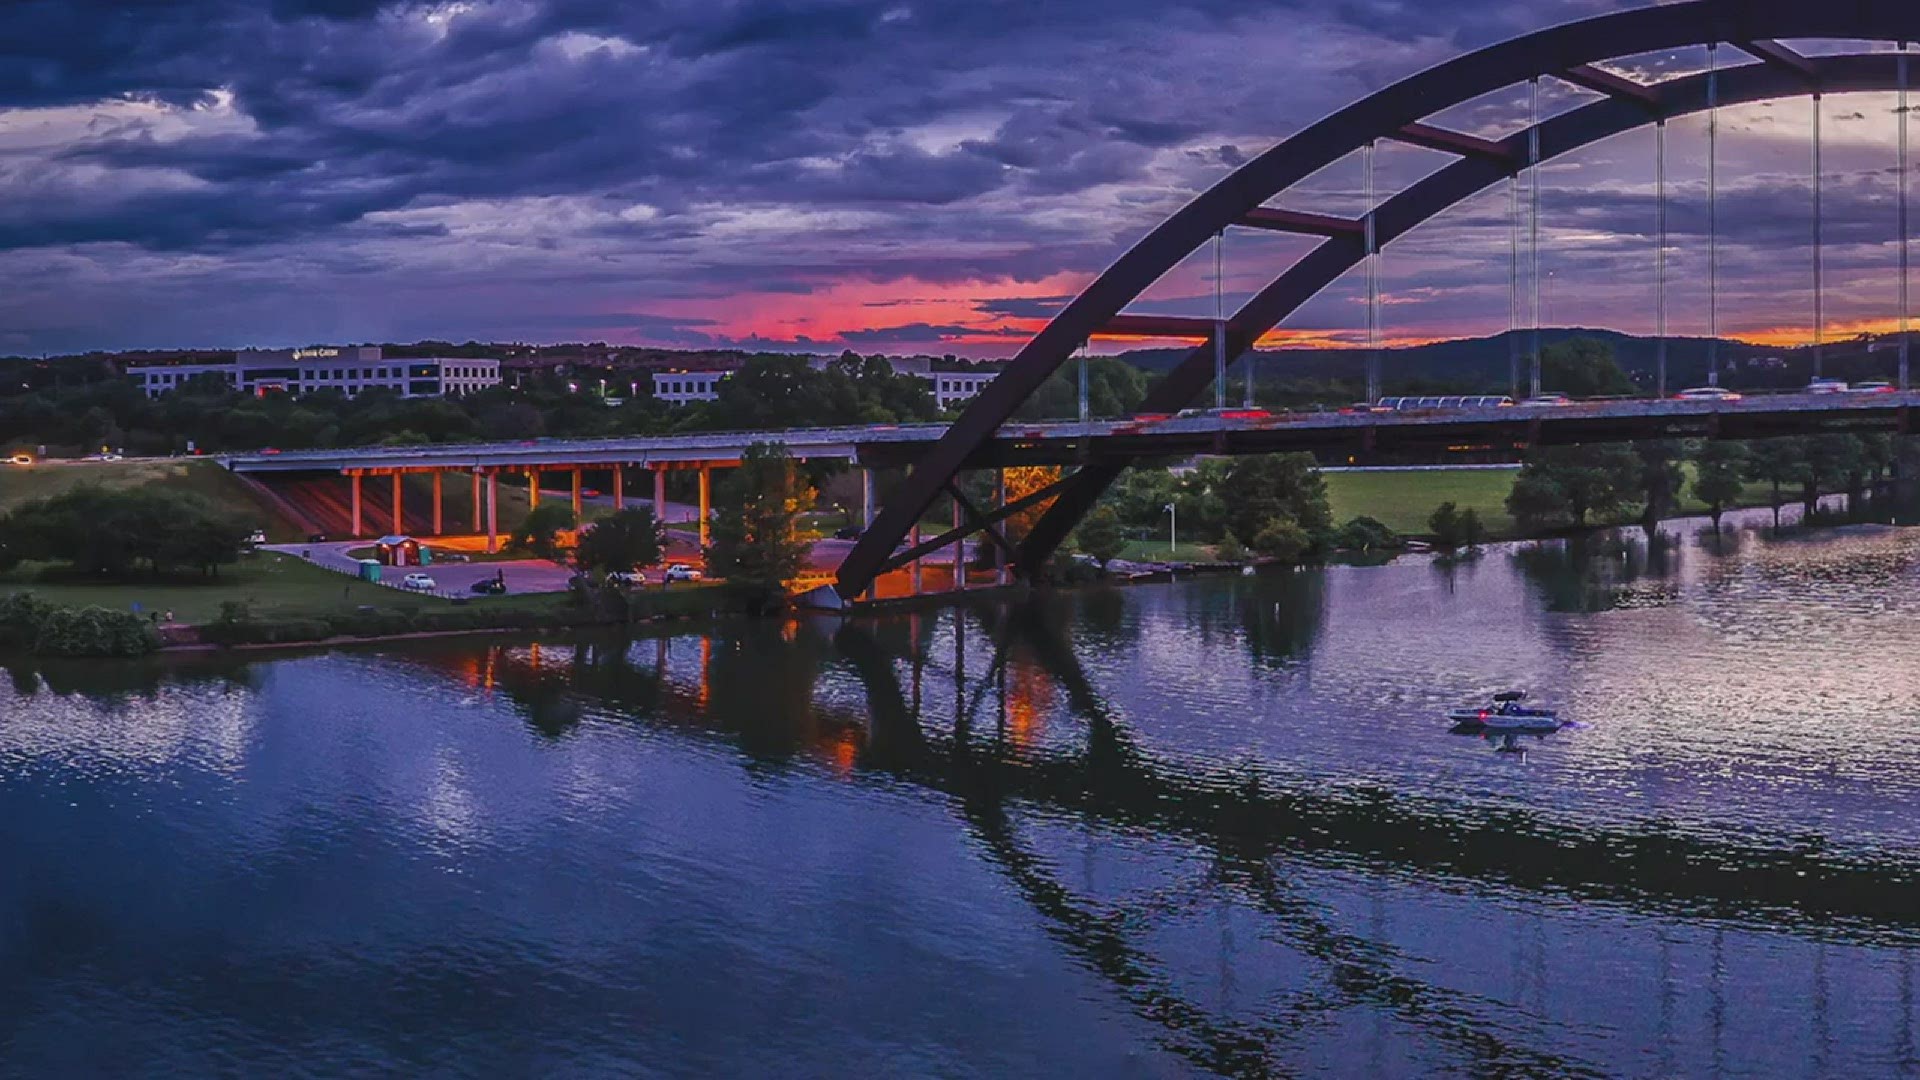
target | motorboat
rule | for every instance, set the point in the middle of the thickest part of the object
(1505, 714)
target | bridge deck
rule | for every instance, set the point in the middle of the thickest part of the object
(1071, 443)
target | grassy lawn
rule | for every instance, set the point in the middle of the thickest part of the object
(197, 475)
(1402, 500)
(278, 586)
(1157, 551)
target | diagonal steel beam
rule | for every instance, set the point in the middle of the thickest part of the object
(1302, 222)
(988, 526)
(1455, 142)
(1782, 57)
(1156, 326)
(933, 544)
(1601, 81)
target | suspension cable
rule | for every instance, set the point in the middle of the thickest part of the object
(1373, 283)
(1660, 255)
(1513, 284)
(1219, 325)
(1819, 249)
(1080, 354)
(1713, 215)
(1533, 175)
(1906, 254)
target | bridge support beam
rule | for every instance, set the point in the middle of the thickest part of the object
(476, 501)
(913, 540)
(399, 511)
(619, 488)
(867, 501)
(659, 494)
(578, 474)
(358, 529)
(533, 489)
(439, 528)
(706, 505)
(493, 511)
(959, 551)
(1000, 567)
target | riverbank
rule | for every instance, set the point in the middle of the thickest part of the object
(272, 598)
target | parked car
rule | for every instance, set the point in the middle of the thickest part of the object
(1707, 393)
(492, 586)
(627, 578)
(851, 532)
(316, 538)
(682, 572)
(419, 582)
(257, 536)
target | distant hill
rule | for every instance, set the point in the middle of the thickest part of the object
(1482, 363)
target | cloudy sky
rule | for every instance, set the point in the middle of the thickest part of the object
(900, 175)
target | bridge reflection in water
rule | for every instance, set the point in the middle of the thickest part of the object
(1518, 943)
(1227, 801)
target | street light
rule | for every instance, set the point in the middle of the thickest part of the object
(1173, 521)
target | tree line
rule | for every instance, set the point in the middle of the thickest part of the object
(772, 392)
(1574, 486)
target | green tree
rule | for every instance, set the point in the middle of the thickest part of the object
(539, 532)
(1444, 526)
(628, 539)
(756, 545)
(1776, 462)
(1661, 478)
(1099, 534)
(1583, 367)
(1573, 483)
(1472, 532)
(1720, 469)
(1277, 489)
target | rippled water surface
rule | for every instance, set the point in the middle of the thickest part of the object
(1216, 826)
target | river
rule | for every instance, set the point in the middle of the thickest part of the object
(1214, 826)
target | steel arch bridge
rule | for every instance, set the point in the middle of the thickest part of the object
(1570, 53)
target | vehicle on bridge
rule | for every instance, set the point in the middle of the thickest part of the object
(1707, 393)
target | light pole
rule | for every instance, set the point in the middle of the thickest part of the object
(1173, 535)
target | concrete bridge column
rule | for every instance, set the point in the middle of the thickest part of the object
(438, 525)
(866, 498)
(706, 503)
(619, 488)
(999, 500)
(659, 494)
(959, 552)
(399, 522)
(358, 530)
(493, 509)
(577, 473)
(533, 488)
(913, 540)
(476, 501)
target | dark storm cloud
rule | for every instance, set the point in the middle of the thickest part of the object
(598, 156)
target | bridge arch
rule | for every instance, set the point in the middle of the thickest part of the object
(1568, 53)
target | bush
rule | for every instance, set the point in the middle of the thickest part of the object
(1230, 549)
(1367, 534)
(21, 614)
(94, 631)
(1283, 540)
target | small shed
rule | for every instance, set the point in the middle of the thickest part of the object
(402, 551)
